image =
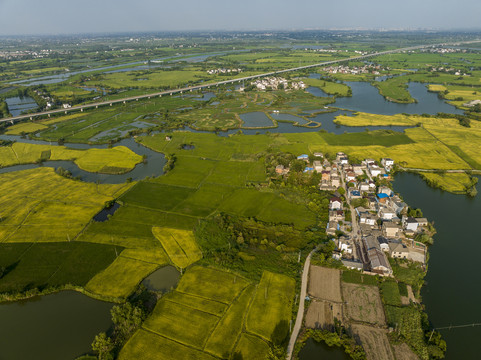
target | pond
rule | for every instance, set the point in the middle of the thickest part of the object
(313, 350)
(451, 294)
(256, 119)
(59, 326)
(17, 105)
(162, 279)
(105, 214)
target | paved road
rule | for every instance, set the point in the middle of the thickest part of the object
(206, 86)
(300, 311)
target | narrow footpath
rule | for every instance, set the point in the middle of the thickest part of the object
(300, 311)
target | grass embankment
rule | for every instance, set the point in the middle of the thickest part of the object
(217, 302)
(329, 87)
(116, 160)
(395, 89)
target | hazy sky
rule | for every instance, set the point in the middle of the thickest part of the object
(82, 16)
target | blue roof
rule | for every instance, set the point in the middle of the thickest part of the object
(382, 196)
(308, 169)
(303, 156)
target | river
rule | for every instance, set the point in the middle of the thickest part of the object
(451, 293)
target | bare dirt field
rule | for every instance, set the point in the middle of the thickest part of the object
(374, 341)
(404, 352)
(363, 303)
(321, 314)
(325, 283)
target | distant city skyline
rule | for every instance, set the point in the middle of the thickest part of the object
(21, 17)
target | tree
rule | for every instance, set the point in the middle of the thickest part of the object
(103, 345)
(127, 319)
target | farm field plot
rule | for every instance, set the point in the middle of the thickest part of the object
(31, 265)
(156, 196)
(363, 303)
(321, 314)
(374, 341)
(121, 278)
(26, 128)
(251, 347)
(150, 346)
(215, 322)
(224, 336)
(271, 306)
(325, 283)
(172, 320)
(180, 245)
(39, 205)
(211, 280)
(366, 119)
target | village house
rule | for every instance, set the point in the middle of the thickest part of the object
(390, 230)
(368, 219)
(354, 194)
(318, 155)
(398, 250)
(386, 213)
(332, 227)
(410, 223)
(303, 157)
(385, 190)
(350, 176)
(335, 203)
(281, 170)
(357, 169)
(377, 260)
(336, 215)
(317, 166)
(364, 187)
(387, 163)
(374, 170)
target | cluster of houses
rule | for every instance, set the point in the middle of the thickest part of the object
(442, 50)
(379, 226)
(275, 83)
(366, 69)
(451, 71)
(37, 54)
(223, 71)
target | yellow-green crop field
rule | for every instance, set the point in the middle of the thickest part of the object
(39, 205)
(207, 315)
(272, 304)
(117, 160)
(366, 119)
(121, 278)
(27, 127)
(452, 182)
(180, 245)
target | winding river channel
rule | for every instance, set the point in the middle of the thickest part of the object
(65, 323)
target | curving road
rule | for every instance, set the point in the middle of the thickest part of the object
(206, 86)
